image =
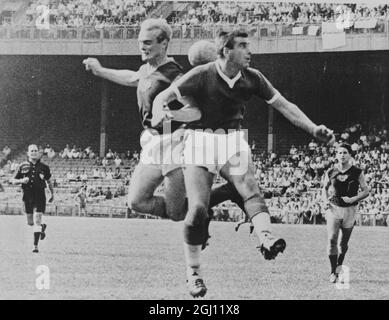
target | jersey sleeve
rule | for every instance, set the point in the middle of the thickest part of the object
(264, 89)
(189, 84)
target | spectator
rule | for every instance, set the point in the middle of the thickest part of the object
(105, 162)
(51, 153)
(117, 174)
(109, 174)
(118, 161)
(96, 173)
(109, 155)
(83, 176)
(108, 194)
(6, 151)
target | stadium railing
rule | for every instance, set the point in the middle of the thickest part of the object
(179, 32)
(96, 210)
(16, 208)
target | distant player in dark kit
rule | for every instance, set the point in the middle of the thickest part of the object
(34, 175)
(215, 143)
(341, 196)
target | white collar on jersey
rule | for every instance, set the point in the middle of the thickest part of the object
(230, 82)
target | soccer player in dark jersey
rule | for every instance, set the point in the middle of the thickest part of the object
(221, 89)
(341, 195)
(34, 176)
(160, 153)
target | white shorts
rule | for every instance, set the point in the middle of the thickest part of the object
(346, 215)
(212, 150)
(162, 150)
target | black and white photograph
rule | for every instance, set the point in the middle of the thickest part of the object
(206, 152)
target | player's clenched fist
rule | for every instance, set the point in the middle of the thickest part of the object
(324, 134)
(93, 65)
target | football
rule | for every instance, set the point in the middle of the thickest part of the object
(202, 52)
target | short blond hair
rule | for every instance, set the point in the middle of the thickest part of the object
(158, 24)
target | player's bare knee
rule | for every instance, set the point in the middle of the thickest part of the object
(38, 218)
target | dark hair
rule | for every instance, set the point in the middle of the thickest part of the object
(227, 40)
(347, 147)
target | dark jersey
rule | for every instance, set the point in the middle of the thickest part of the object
(344, 184)
(222, 100)
(151, 84)
(38, 173)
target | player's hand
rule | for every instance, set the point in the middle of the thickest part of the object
(327, 205)
(25, 180)
(348, 199)
(51, 199)
(160, 117)
(324, 134)
(92, 64)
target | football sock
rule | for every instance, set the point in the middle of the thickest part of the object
(192, 258)
(341, 258)
(333, 260)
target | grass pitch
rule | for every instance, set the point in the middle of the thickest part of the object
(97, 258)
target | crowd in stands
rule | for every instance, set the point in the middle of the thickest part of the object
(106, 13)
(291, 183)
(96, 13)
(246, 13)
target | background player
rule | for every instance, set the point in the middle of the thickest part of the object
(221, 89)
(34, 175)
(340, 193)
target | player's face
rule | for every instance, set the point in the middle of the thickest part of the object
(241, 54)
(33, 153)
(342, 155)
(149, 46)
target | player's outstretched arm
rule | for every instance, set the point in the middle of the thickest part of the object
(123, 77)
(293, 113)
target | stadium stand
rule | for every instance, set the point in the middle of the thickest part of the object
(291, 179)
(120, 19)
(291, 182)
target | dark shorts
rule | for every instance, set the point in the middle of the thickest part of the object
(35, 202)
